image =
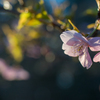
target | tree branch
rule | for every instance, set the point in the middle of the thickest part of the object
(14, 12)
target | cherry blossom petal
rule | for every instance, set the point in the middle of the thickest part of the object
(85, 59)
(73, 51)
(97, 57)
(81, 38)
(64, 46)
(95, 48)
(73, 42)
(95, 40)
(72, 37)
(67, 35)
(95, 44)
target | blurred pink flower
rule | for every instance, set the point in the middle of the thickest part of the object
(77, 45)
(15, 74)
(12, 73)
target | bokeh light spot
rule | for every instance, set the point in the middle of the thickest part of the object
(50, 57)
(7, 5)
(65, 80)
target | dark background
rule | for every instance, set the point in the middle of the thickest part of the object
(62, 79)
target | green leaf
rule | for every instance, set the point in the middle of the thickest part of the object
(34, 22)
(24, 18)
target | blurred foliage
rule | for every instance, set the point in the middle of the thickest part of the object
(90, 26)
(90, 12)
(34, 18)
(13, 45)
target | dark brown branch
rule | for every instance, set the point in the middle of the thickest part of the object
(55, 24)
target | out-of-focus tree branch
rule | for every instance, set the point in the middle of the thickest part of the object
(16, 13)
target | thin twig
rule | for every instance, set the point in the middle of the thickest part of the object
(94, 31)
(55, 24)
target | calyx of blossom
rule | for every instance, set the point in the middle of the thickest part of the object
(76, 45)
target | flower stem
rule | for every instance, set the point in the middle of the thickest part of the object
(93, 31)
(74, 27)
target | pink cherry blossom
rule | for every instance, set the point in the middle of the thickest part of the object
(15, 74)
(12, 73)
(97, 57)
(76, 45)
(95, 47)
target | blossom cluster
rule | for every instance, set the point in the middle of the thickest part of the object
(76, 45)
